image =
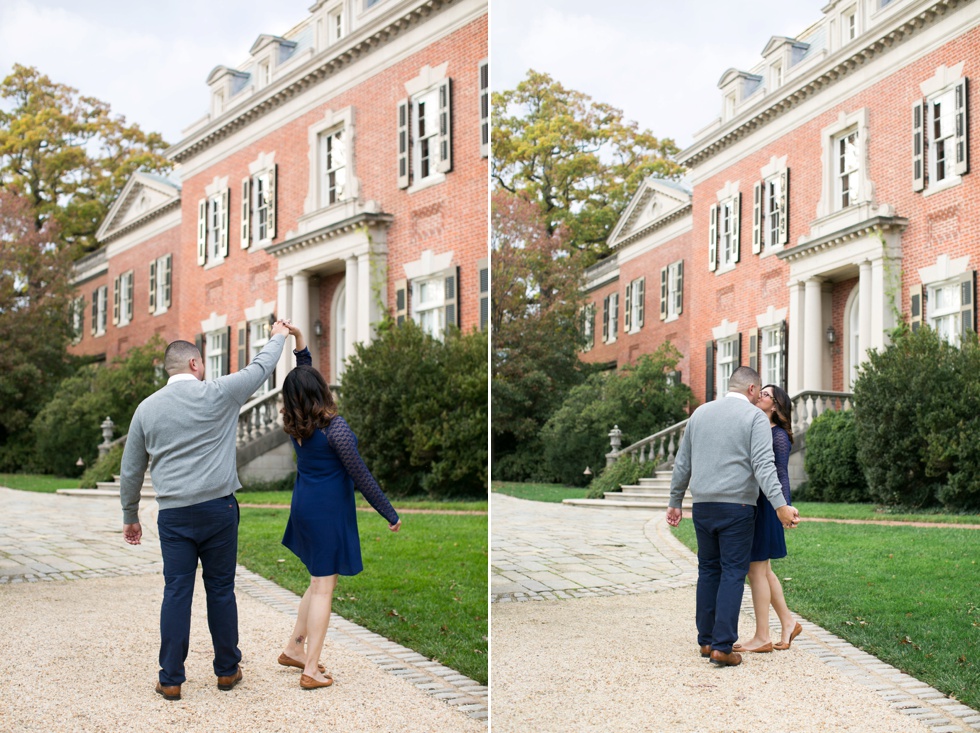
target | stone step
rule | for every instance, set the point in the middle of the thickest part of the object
(610, 504)
(104, 493)
(147, 481)
(637, 496)
(657, 482)
(647, 490)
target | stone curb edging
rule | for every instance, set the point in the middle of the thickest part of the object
(936, 711)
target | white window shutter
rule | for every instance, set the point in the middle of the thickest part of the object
(679, 289)
(736, 221)
(246, 211)
(225, 222)
(484, 268)
(640, 296)
(757, 193)
(401, 301)
(754, 350)
(167, 280)
(664, 292)
(445, 163)
(784, 206)
(115, 301)
(202, 231)
(403, 143)
(962, 159)
(713, 238)
(918, 146)
(270, 196)
(153, 286)
(452, 297)
(627, 318)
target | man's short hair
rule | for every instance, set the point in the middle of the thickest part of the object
(742, 378)
(177, 355)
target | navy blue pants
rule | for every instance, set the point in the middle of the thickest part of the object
(207, 532)
(724, 534)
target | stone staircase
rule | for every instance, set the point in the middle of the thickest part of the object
(111, 489)
(650, 494)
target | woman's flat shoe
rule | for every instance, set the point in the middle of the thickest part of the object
(286, 661)
(308, 683)
(764, 649)
(797, 630)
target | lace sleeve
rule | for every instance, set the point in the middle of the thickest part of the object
(781, 447)
(303, 357)
(344, 442)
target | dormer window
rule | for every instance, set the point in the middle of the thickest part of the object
(776, 75)
(729, 106)
(335, 22)
(848, 26)
(265, 74)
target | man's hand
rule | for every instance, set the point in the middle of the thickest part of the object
(396, 526)
(789, 516)
(132, 533)
(674, 516)
(279, 328)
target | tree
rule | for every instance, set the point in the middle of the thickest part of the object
(35, 324)
(534, 317)
(67, 154)
(577, 159)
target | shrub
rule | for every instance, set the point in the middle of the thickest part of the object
(419, 409)
(285, 483)
(106, 468)
(831, 462)
(637, 398)
(624, 471)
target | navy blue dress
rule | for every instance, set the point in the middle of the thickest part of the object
(769, 542)
(322, 527)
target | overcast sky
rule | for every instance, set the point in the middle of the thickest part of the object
(149, 59)
(657, 60)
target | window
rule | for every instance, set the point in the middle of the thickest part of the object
(942, 135)
(265, 74)
(122, 303)
(723, 249)
(729, 106)
(425, 133)
(939, 131)
(610, 317)
(259, 203)
(216, 353)
(217, 103)
(769, 219)
(633, 313)
(847, 169)
(160, 284)
(773, 355)
(848, 26)
(333, 168)
(776, 76)
(671, 291)
(335, 22)
(100, 298)
(484, 109)
(588, 327)
(212, 226)
(340, 331)
(433, 301)
(727, 362)
(944, 310)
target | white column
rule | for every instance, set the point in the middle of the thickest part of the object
(364, 296)
(301, 305)
(795, 348)
(865, 307)
(878, 304)
(284, 285)
(813, 336)
(351, 306)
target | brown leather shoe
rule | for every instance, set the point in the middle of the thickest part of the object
(169, 692)
(705, 650)
(722, 659)
(227, 683)
(308, 683)
(287, 661)
(797, 630)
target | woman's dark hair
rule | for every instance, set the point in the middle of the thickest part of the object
(307, 402)
(784, 409)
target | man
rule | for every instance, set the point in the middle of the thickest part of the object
(188, 430)
(725, 456)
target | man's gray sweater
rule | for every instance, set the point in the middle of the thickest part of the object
(726, 455)
(188, 428)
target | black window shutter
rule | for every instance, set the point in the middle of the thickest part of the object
(754, 350)
(968, 302)
(784, 345)
(709, 364)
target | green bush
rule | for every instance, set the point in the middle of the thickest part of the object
(637, 398)
(285, 483)
(624, 471)
(69, 425)
(419, 408)
(831, 463)
(105, 468)
(918, 430)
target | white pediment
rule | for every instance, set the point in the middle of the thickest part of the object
(654, 201)
(143, 195)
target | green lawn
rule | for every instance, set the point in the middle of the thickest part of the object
(907, 595)
(873, 512)
(32, 482)
(538, 492)
(284, 498)
(424, 587)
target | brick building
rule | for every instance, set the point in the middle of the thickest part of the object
(830, 195)
(340, 172)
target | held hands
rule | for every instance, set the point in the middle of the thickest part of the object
(789, 516)
(132, 533)
(674, 516)
(396, 526)
(280, 328)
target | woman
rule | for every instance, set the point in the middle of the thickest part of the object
(322, 527)
(769, 542)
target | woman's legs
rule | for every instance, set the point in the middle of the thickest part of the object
(758, 572)
(786, 620)
(296, 646)
(317, 619)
